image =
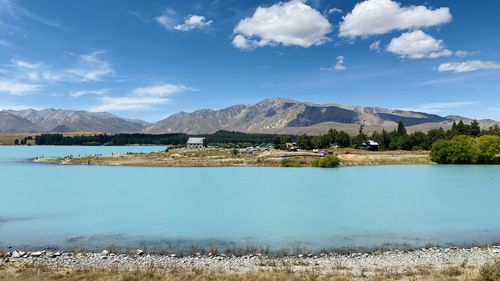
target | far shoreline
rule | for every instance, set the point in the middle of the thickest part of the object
(224, 157)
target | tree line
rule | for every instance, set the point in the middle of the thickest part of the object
(398, 139)
(220, 137)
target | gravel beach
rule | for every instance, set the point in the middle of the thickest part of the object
(356, 263)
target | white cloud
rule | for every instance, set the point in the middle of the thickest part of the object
(91, 68)
(127, 103)
(339, 66)
(334, 11)
(139, 16)
(162, 90)
(416, 45)
(375, 46)
(10, 11)
(462, 54)
(98, 92)
(438, 107)
(167, 19)
(26, 64)
(141, 98)
(35, 71)
(372, 17)
(468, 66)
(242, 42)
(290, 23)
(193, 22)
(17, 88)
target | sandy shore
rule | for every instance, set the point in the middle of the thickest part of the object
(394, 262)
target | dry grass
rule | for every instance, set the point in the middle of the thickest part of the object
(8, 139)
(488, 272)
(43, 274)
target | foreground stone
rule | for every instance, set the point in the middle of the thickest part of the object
(357, 263)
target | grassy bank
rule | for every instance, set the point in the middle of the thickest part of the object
(218, 157)
(488, 272)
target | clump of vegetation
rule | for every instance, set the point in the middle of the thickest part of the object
(328, 161)
(291, 163)
(467, 150)
(490, 272)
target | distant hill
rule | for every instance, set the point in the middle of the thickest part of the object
(293, 117)
(55, 120)
(278, 115)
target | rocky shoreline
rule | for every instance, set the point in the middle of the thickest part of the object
(394, 262)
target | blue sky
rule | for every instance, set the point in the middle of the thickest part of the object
(149, 59)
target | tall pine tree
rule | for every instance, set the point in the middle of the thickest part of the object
(401, 129)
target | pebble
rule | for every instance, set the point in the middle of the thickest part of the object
(37, 254)
(55, 255)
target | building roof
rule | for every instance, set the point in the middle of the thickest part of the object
(196, 141)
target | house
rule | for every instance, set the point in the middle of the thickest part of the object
(195, 143)
(370, 145)
(291, 146)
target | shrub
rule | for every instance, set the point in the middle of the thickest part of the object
(290, 163)
(467, 150)
(488, 148)
(490, 272)
(328, 161)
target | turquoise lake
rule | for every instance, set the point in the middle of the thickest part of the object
(92, 206)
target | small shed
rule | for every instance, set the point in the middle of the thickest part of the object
(195, 142)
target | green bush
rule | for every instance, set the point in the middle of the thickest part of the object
(291, 163)
(328, 161)
(488, 148)
(467, 150)
(490, 272)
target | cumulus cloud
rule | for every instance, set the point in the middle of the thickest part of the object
(91, 68)
(468, 66)
(416, 45)
(193, 22)
(339, 66)
(372, 17)
(292, 23)
(141, 98)
(17, 88)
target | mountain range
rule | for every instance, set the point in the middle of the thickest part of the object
(61, 121)
(279, 115)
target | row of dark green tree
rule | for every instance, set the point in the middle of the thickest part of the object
(220, 137)
(398, 139)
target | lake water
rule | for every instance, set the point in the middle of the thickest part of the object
(93, 206)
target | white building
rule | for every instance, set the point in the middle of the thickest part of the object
(195, 142)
